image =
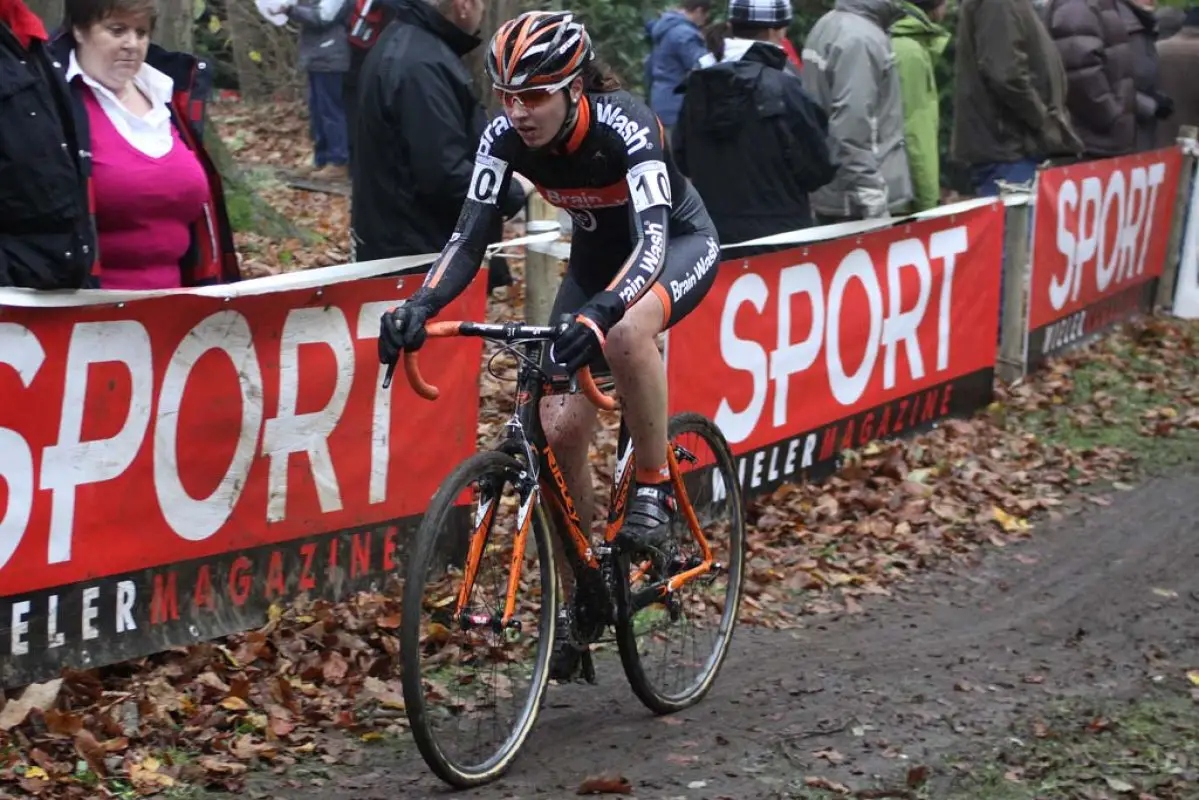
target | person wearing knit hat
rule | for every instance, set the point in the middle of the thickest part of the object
(750, 138)
(765, 15)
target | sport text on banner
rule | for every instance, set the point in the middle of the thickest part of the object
(800, 354)
(1100, 234)
(171, 466)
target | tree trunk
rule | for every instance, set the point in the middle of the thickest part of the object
(175, 29)
(49, 10)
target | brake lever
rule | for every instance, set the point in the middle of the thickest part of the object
(391, 370)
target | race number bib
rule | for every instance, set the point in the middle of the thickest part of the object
(649, 185)
(485, 182)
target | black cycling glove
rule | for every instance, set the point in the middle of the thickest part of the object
(583, 339)
(403, 328)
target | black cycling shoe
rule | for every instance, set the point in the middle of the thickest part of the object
(564, 661)
(647, 523)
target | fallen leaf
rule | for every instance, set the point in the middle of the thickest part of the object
(605, 784)
(1193, 676)
(36, 695)
(90, 751)
(1117, 785)
(1009, 522)
(1168, 593)
(234, 703)
(917, 776)
(335, 668)
(824, 783)
(213, 764)
(830, 755)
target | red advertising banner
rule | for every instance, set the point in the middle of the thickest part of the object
(171, 466)
(800, 354)
(1099, 243)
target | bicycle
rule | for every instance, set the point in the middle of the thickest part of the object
(446, 615)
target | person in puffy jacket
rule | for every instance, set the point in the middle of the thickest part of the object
(1151, 104)
(849, 68)
(918, 42)
(676, 46)
(1096, 51)
(750, 138)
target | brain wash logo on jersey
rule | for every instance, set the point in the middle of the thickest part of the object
(635, 135)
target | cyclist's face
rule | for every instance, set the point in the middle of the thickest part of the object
(538, 114)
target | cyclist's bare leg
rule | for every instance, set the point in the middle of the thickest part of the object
(640, 375)
(569, 424)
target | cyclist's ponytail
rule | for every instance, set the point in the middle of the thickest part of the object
(599, 78)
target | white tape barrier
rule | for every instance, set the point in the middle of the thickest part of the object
(1186, 291)
(302, 279)
(544, 238)
(823, 233)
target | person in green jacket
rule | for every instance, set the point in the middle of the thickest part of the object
(918, 41)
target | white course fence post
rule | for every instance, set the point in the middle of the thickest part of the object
(1169, 279)
(1017, 238)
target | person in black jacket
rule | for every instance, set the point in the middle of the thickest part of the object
(418, 125)
(749, 137)
(47, 240)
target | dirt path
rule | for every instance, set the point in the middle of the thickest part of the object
(1096, 606)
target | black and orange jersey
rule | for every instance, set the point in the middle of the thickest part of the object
(614, 176)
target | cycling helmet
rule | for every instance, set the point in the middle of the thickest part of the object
(538, 50)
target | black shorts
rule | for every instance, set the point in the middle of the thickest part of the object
(690, 271)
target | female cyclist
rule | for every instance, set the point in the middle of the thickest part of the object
(643, 251)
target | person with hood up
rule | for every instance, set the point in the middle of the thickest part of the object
(676, 46)
(750, 138)
(849, 68)
(919, 41)
(419, 121)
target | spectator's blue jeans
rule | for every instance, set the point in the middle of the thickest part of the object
(327, 119)
(984, 176)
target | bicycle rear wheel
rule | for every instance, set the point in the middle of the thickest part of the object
(689, 629)
(464, 669)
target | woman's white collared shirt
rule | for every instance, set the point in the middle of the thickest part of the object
(150, 134)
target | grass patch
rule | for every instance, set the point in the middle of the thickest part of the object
(1092, 750)
(1121, 393)
(1079, 750)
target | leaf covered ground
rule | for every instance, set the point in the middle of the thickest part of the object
(318, 682)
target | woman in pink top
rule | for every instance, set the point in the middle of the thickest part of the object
(158, 214)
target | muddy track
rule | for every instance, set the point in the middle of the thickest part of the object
(1096, 605)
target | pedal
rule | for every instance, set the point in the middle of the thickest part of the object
(587, 666)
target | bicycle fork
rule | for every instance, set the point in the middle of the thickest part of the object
(484, 521)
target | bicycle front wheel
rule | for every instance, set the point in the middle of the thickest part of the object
(672, 648)
(478, 618)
